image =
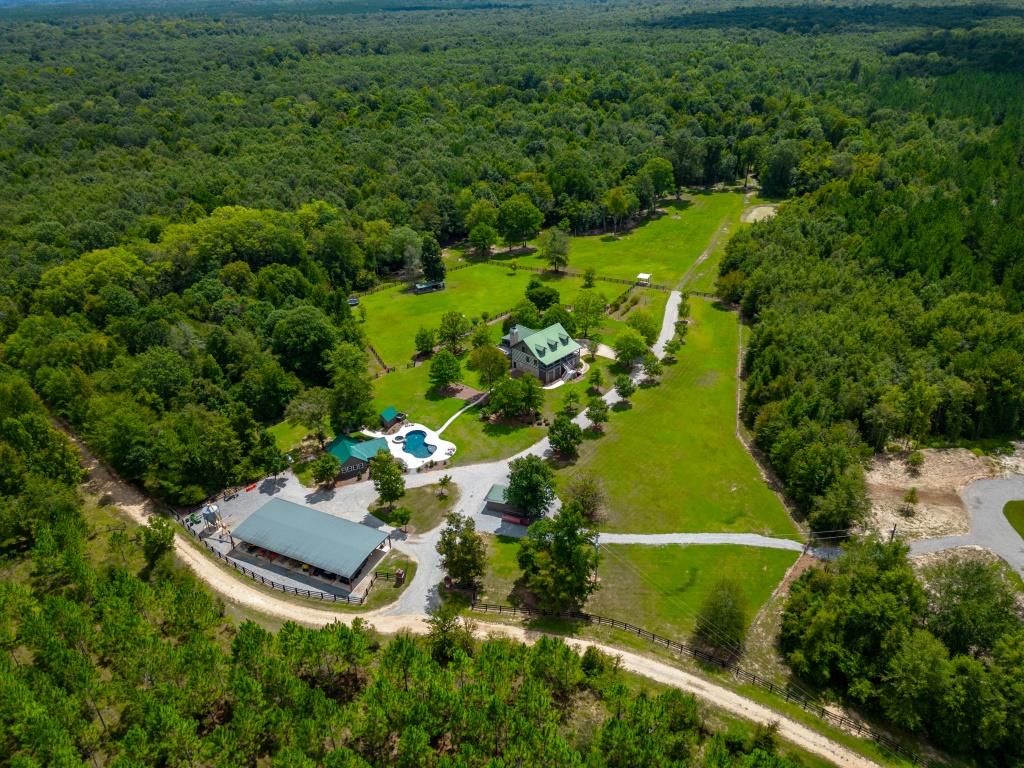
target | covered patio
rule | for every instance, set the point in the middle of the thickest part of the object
(310, 544)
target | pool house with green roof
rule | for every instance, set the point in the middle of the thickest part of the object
(354, 455)
(549, 354)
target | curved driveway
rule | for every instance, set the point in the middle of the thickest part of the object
(990, 529)
(473, 481)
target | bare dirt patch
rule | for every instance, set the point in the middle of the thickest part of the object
(463, 392)
(939, 510)
(758, 213)
(1012, 463)
(969, 552)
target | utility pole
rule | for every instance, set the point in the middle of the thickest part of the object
(892, 533)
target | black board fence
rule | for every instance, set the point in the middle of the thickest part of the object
(799, 698)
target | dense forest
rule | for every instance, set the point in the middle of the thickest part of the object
(189, 195)
(192, 194)
(112, 658)
(941, 653)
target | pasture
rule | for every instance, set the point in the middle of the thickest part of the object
(665, 247)
(672, 461)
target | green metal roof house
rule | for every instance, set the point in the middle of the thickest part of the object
(355, 455)
(548, 354)
(309, 536)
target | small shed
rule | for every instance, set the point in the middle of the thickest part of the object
(496, 501)
(390, 416)
(644, 279)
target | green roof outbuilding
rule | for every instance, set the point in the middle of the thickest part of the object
(496, 495)
(310, 536)
(345, 448)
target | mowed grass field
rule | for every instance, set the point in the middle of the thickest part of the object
(672, 461)
(665, 247)
(394, 315)
(659, 588)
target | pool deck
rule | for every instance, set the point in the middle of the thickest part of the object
(445, 449)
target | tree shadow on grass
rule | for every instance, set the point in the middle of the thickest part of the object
(622, 405)
(593, 434)
(503, 428)
(434, 396)
(558, 461)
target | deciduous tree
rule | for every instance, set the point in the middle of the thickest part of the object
(565, 436)
(445, 370)
(559, 560)
(462, 551)
(325, 468)
(553, 248)
(531, 485)
(387, 478)
(518, 220)
(311, 409)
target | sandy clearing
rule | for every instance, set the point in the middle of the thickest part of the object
(940, 510)
(758, 213)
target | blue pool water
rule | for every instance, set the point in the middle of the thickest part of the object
(416, 444)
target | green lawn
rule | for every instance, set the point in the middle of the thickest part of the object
(615, 322)
(393, 316)
(502, 568)
(1014, 511)
(664, 247)
(672, 461)
(428, 509)
(477, 440)
(289, 437)
(662, 588)
(705, 274)
(408, 389)
(659, 588)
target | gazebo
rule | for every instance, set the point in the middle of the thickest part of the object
(644, 279)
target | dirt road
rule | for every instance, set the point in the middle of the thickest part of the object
(138, 508)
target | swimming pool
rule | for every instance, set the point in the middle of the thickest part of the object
(416, 444)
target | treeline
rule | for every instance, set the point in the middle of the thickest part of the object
(939, 655)
(171, 358)
(886, 307)
(403, 118)
(109, 658)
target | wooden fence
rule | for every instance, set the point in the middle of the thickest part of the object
(799, 698)
(385, 368)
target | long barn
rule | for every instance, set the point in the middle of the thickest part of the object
(309, 537)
